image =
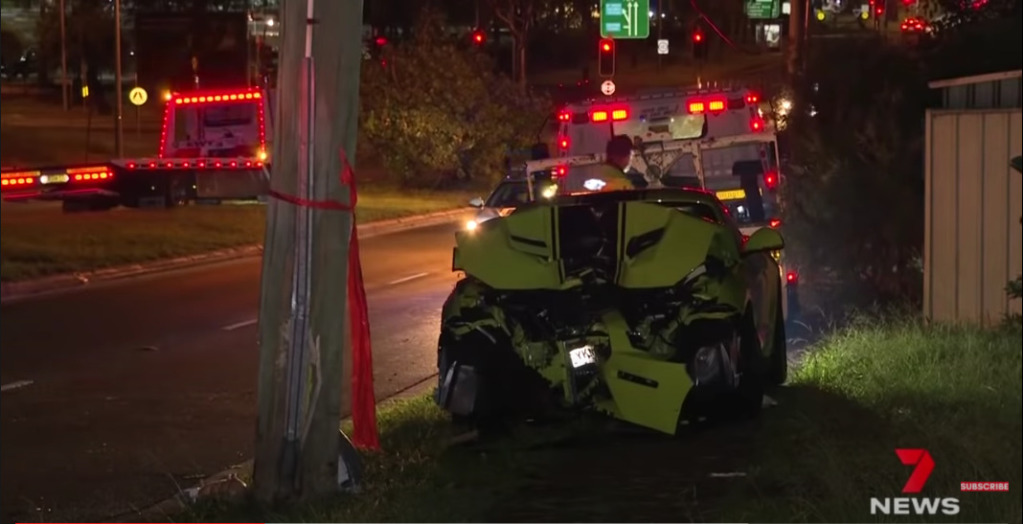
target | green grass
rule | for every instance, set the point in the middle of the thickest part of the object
(40, 133)
(873, 388)
(819, 455)
(39, 240)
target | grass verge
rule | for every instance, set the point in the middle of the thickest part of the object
(820, 454)
(954, 391)
(39, 240)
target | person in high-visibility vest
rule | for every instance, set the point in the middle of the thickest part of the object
(612, 172)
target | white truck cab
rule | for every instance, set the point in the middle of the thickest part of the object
(743, 175)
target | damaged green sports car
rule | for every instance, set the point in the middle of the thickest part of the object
(648, 305)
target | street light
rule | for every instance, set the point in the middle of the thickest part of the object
(118, 87)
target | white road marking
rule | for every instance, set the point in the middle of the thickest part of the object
(239, 325)
(16, 385)
(406, 279)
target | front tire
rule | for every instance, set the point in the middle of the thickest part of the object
(748, 396)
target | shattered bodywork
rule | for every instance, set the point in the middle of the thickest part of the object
(649, 306)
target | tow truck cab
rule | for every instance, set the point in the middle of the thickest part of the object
(745, 177)
(213, 147)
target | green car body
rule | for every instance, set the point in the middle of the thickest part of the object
(647, 305)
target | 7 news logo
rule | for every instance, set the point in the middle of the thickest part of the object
(923, 466)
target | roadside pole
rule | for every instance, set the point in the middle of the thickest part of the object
(796, 43)
(305, 354)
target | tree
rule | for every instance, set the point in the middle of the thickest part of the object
(518, 16)
(436, 112)
(853, 200)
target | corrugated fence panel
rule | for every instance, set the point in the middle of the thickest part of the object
(940, 213)
(994, 225)
(972, 210)
(968, 214)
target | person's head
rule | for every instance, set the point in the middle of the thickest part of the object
(619, 151)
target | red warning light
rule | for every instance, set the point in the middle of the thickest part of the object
(381, 41)
(479, 37)
(698, 36)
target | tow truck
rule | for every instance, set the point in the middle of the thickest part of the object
(213, 148)
(663, 155)
(744, 176)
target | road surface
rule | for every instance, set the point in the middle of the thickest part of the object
(116, 394)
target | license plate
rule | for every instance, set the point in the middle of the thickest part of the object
(735, 194)
(53, 179)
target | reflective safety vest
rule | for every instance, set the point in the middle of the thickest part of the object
(614, 178)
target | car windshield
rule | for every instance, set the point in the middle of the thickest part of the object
(509, 194)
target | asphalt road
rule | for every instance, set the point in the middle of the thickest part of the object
(116, 394)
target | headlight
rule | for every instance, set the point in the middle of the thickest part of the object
(471, 225)
(706, 365)
(550, 191)
(582, 356)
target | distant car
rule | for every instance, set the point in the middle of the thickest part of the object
(510, 194)
(915, 25)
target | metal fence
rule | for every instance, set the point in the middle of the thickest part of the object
(972, 214)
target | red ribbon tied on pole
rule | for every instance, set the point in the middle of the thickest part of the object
(364, 416)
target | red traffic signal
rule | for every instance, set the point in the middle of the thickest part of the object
(479, 37)
(606, 57)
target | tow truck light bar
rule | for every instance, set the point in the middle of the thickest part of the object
(603, 115)
(197, 164)
(213, 99)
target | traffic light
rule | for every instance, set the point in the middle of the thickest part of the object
(479, 37)
(606, 57)
(699, 44)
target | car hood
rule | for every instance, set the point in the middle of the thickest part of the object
(630, 244)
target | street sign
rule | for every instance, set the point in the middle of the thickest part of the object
(608, 87)
(625, 19)
(138, 96)
(662, 46)
(763, 9)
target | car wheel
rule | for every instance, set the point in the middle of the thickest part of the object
(779, 359)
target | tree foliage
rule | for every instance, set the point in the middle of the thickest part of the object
(434, 112)
(89, 30)
(854, 192)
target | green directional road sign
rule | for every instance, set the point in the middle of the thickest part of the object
(625, 19)
(763, 9)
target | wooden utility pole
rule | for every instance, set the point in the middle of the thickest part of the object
(797, 37)
(305, 357)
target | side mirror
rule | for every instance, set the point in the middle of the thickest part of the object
(764, 239)
(476, 202)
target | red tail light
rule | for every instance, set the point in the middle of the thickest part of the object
(756, 124)
(775, 222)
(560, 171)
(792, 277)
(564, 116)
(563, 142)
(771, 180)
(752, 98)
